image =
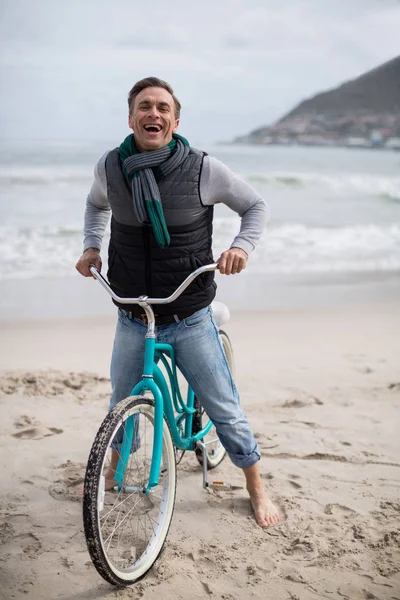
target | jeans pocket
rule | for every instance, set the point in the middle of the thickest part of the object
(197, 318)
(123, 317)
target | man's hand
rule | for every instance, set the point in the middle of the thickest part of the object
(91, 256)
(232, 261)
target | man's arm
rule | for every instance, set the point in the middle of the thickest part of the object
(218, 184)
(97, 213)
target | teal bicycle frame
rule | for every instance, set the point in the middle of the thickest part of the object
(175, 409)
(154, 382)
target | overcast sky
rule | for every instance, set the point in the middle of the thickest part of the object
(67, 66)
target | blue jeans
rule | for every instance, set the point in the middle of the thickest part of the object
(200, 357)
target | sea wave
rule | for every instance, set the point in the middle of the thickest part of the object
(387, 187)
(44, 176)
(376, 185)
(285, 248)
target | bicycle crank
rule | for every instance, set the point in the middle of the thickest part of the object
(214, 485)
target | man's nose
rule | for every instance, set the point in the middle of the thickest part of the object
(154, 111)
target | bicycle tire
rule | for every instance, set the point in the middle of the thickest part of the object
(137, 554)
(215, 450)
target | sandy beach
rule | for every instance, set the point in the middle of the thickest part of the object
(321, 388)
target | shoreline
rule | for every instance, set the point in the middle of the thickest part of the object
(75, 296)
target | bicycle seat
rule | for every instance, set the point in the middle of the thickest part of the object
(220, 312)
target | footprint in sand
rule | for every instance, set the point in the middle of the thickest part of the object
(300, 402)
(394, 386)
(366, 370)
(61, 491)
(302, 550)
(36, 433)
(26, 545)
(69, 486)
(294, 484)
(338, 509)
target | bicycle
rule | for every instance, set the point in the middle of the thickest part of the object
(126, 528)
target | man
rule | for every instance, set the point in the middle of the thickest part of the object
(161, 194)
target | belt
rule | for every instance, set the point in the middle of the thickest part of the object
(159, 319)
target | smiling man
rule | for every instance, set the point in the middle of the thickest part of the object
(161, 192)
(154, 119)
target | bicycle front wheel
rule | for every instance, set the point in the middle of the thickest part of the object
(125, 530)
(215, 451)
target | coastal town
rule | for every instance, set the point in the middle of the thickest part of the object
(356, 129)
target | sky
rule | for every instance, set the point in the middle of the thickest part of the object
(66, 67)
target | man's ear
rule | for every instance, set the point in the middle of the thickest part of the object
(176, 125)
(130, 121)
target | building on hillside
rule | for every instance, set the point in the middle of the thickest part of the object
(357, 142)
(393, 143)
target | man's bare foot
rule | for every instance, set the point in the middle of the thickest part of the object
(265, 511)
(109, 473)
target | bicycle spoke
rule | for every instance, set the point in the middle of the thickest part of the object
(118, 524)
(114, 507)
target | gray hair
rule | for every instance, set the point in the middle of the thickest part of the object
(152, 82)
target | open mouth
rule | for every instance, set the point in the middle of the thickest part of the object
(152, 128)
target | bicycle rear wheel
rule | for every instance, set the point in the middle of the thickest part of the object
(215, 451)
(125, 530)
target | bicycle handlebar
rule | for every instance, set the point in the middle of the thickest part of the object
(141, 299)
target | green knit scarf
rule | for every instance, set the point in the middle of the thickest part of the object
(143, 170)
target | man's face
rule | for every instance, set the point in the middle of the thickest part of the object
(153, 119)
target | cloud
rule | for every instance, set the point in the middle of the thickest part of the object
(235, 64)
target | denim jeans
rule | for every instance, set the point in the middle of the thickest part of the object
(200, 357)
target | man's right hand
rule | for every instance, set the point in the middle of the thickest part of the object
(91, 256)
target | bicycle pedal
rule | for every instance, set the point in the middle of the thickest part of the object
(223, 485)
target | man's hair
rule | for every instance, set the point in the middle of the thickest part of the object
(152, 82)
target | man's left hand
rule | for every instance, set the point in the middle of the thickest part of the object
(232, 261)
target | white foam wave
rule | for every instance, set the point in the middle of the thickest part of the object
(340, 183)
(288, 248)
(294, 248)
(40, 252)
(44, 176)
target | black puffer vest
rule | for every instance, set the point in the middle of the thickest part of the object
(136, 264)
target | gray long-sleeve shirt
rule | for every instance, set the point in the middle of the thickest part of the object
(217, 185)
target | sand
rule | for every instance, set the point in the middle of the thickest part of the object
(321, 388)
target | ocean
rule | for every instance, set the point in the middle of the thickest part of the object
(334, 215)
